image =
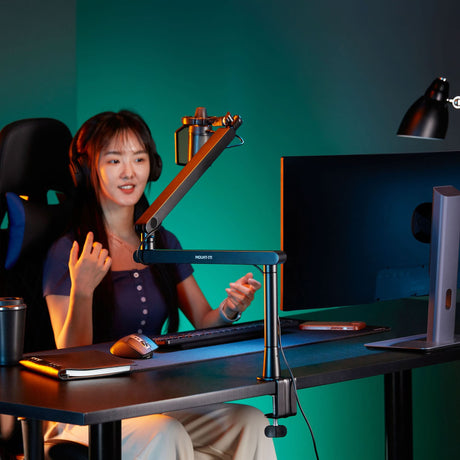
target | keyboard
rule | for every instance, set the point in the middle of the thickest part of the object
(218, 335)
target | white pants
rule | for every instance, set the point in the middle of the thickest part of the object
(219, 431)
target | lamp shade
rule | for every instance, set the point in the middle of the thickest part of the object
(428, 117)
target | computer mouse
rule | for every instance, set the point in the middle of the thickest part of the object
(136, 346)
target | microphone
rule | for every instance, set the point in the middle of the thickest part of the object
(195, 132)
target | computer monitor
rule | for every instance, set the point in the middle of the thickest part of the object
(356, 228)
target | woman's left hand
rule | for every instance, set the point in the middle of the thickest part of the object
(241, 293)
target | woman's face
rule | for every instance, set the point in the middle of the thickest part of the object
(123, 171)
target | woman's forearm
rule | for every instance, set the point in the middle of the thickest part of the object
(77, 329)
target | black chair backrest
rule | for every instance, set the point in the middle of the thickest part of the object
(33, 160)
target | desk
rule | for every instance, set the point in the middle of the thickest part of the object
(103, 403)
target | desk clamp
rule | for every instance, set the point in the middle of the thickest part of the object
(284, 405)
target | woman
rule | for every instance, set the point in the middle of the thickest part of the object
(96, 292)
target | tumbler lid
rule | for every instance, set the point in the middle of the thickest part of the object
(12, 303)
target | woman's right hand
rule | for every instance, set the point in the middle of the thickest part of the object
(89, 268)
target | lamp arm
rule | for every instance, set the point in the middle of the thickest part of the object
(187, 177)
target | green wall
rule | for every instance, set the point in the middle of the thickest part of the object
(307, 78)
(37, 60)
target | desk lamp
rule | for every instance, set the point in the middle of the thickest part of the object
(427, 118)
(197, 146)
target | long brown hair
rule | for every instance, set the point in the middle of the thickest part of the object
(85, 149)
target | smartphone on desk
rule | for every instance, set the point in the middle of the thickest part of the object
(332, 325)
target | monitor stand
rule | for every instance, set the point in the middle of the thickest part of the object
(415, 343)
(445, 231)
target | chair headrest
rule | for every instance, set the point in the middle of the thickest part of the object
(34, 157)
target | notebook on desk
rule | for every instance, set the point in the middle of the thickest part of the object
(73, 365)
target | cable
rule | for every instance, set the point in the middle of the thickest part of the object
(295, 390)
(236, 145)
(258, 268)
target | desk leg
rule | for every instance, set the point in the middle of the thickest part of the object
(105, 441)
(32, 436)
(398, 415)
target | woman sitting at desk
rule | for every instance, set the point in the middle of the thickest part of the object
(96, 292)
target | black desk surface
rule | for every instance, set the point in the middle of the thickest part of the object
(86, 402)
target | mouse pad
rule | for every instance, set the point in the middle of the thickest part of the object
(164, 358)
